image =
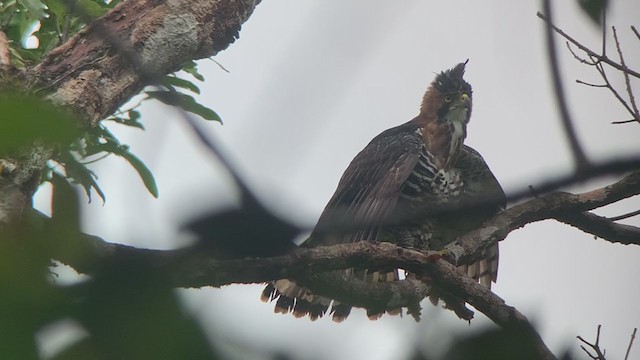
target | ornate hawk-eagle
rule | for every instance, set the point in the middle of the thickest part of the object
(407, 172)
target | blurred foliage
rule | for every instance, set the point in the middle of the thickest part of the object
(32, 120)
(127, 310)
(595, 9)
(57, 20)
(51, 23)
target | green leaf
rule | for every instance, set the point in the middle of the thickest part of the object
(131, 120)
(64, 205)
(92, 8)
(594, 9)
(191, 67)
(79, 172)
(143, 171)
(181, 83)
(35, 7)
(58, 8)
(26, 119)
(134, 115)
(145, 174)
(186, 102)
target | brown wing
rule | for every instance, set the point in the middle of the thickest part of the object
(481, 185)
(370, 187)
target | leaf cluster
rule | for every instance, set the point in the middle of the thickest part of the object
(125, 311)
(52, 23)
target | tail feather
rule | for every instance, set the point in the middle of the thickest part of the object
(484, 270)
(292, 298)
(340, 311)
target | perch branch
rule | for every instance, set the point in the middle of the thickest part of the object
(198, 271)
(552, 206)
(194, 270)
(602, 227)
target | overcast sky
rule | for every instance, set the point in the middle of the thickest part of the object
(312, 82)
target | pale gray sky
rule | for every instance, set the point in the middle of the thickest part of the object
(311, 82)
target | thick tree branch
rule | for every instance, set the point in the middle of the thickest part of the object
(551, 206)
(490, 304)
(91, 76)
(198, 269)
(304, 265)
(603, 227)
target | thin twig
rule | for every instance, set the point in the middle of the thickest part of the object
(632, 99)
(615, 93)
(602, 58)
(623, 121)
(635, 31)
(581, 60)
(590, 84)
(595, 346)
(578, 154)
(220, 65)
(625, 216)
(602, 227)
(633, 336)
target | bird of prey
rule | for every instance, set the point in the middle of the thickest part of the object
(407, 172)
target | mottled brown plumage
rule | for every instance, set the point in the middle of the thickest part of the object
(392, 190)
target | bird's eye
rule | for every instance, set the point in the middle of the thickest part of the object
(447, 98)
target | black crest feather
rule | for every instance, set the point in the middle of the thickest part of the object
(451, 80)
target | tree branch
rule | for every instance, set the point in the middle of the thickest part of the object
(104, 65)
(551, 206)
(595, 346)
(603, 227)
(579, 156)
(632, 99)
(603, 58)
(188, 268)
(86, 75)
(195, 269)
(304, 265)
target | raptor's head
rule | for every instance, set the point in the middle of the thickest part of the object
(449, 97)
(444, 115)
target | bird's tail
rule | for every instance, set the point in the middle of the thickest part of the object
(293, 298)
(484, 270)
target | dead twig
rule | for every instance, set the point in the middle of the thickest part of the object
(635, 31)
(615, 93)
(600, 57)
(633, 337)
(632, 99)
(623, 121)
(595, 347)
(625, 216)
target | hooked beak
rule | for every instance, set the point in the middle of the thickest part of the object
(464, 101)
